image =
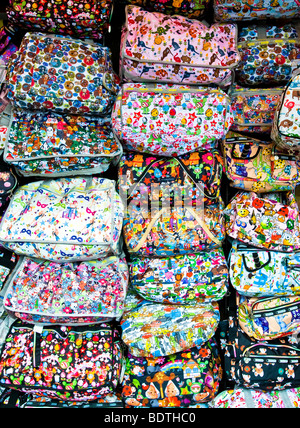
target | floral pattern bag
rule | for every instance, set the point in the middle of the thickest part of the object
(170, 120)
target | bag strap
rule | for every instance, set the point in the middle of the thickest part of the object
(250, 403)
(149, 227)
(204, 226)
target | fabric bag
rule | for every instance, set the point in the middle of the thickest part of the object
(182, 279)
(63, 75)
(170, 120)
(186, 378)
(41, 143)
(44, 292)
(80, 363)
(80, 19)
(257, 272)
(269, 54)
(270, 222)
(173, 206)
(189, 8)
(258, 166)
(174, 49)
(66, 219)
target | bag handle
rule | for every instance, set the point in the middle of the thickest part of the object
(257, 263)
(244, 151)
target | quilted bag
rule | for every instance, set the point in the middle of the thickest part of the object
(46, 143)
(62, 74)
(268, 318)
(80, 363)
(186, 378)
(82, 19)
(170, 120)
(266, 365)
(264, 222)
(269, 54)
(189, 8)
(242, 398)
(286, 125)
(157, 329)
(238, 10)
(256, 272)
(254, 109)
(67, 219)
(182, 279)
(173, 206)
(258, 166)
(174, 49)
(45, 292)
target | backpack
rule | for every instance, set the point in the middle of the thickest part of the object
(255, 165)
(170, 120)
(172, 205)
(173, 49)
(70, 363)
(42, 143)
(65, 219)
(186, 378)
(62, 74)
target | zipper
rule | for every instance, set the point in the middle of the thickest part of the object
(275, 358)
(172, 91)
(266, 41)
(272, 311)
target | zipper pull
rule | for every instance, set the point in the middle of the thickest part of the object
(37, 331)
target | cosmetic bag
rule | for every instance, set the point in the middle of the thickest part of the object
(186, 378)
(173, 49)
(256, 272)
(182, 279)
(173, 206)
(255, 165)
(194, 9)
(264, 222)
(82, 19)
(63, 75)
(66, 219)
(170, 120)
(269, 54)
(70, 363)
(46, 143)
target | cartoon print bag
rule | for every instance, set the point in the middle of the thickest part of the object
(269, 54)
(78, 363)
(82, 19)
(174, 49)
(267, 318)
(157, 329)
(173, 206)
(254, 109)
(41, 143)
(45, 292)
(182, 279)
(170, 120)
(62, 74)
(191, 9)
(66, 219)
(256, 272)
(264, 222)
(255, 165)
(186, 378)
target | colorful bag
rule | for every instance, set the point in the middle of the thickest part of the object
(268, 318)
(170, 120)
(187, 378)
(8, 184)
(44, 292)
(258, 166)
(184, 279)
(264, 222)
(237, 10)
(266, 365)
(7, 45)
(256, 272)
(173, 206)
(157, 329)
(174, 49)
(190, 8)
(65, 363)
(269, 54)
(62, 74)
(5, 117)
(254, 109)
(67, 219)
(82, 19)
(286, 125)
(42, 144)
